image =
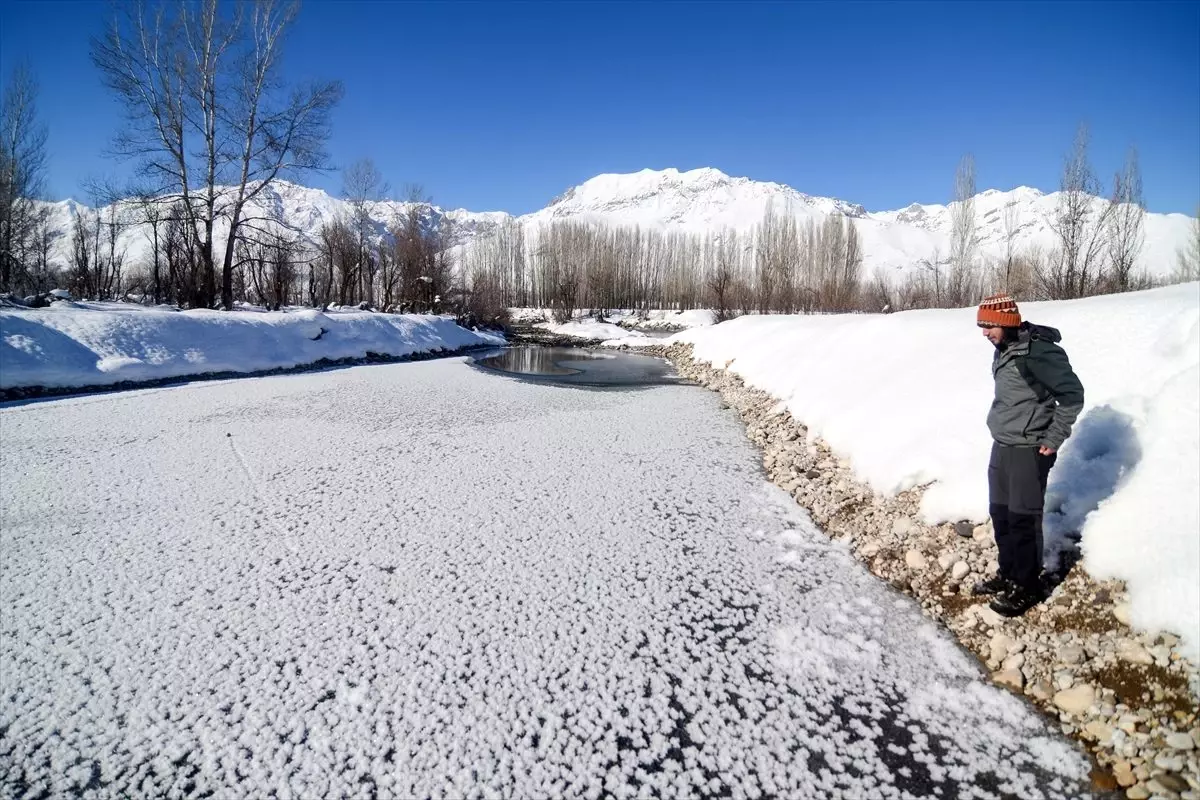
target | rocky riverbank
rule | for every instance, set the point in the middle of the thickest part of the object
(1132, 698)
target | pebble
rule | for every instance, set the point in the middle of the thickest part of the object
(1137, 793)
(945, 560)
(869, 549)
(914, 559)
(1133, 652)
(989, 617)
(1170, 763)
(1015, 661)
(1099, 731)
(1071, 654)
(1180, 741)
(902, 526)
(1121, 612)
(1077, 699)
(982, 533)
(999, 645)
(1038, 691)
(1010, 677)
(959, 570)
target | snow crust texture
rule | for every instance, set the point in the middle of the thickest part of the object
(327, 585)
(904, 398)
(97, 344)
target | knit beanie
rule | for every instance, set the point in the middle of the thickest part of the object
(998, 311)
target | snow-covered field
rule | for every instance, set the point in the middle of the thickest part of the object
(904, 397)
(325, 585)
(97, 344)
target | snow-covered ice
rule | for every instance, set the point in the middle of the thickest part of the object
(591, 329)
(99, 344)
(426, 580)
(904, 397)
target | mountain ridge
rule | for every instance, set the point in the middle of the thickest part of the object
(707, 200)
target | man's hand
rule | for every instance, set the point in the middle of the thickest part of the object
(1045, 451)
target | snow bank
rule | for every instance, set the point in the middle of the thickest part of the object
(904, 397)
(94, 344)
(590, 329)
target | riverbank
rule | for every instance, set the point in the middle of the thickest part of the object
(1130, 697)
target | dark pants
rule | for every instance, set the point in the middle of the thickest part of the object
(1016, 494)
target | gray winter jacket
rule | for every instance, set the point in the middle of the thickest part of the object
(1038, 395)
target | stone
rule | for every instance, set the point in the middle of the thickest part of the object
(1180, 741)
(982, 533)
(869, 549)
(1011, 678)
(1099, 731)
(1038, 690)
(1077, 699)
(1015, 661)
(1071, 654)
(1123, 772)
(1172, 783)
(1064, 679)
(1171, 763)
(1121, 612)
(964, 529)
(959, 570)
(902, 526)
(998, 647)
(1133, 652)
(1162, 654)
(1137, 793)
(989, 617)
(914, 559)
(946, 560)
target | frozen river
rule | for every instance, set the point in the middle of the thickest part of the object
(431, 580)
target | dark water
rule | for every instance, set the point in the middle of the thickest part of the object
(578, 366)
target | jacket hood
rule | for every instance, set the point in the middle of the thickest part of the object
(1043, 332)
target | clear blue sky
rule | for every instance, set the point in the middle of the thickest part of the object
(496, 106)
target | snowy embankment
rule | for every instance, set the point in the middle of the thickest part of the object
(592, 330)
(100, 344)
(903, 399)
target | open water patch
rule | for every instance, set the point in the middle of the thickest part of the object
(578, 366)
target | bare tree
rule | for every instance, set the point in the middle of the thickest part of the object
(1079, 222)
(963, 239)
(22, 167)
(363, 185)
(1012, 224)
(1125, 234)
(210, 121)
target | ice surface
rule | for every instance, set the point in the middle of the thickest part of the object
(904, 398)
(425, 580)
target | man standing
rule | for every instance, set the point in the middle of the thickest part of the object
(1038, 398)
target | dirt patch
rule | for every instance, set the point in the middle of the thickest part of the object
(1136, 685)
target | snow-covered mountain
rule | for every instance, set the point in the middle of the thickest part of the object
(708, 200)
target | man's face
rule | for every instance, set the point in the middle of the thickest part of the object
(994, 335)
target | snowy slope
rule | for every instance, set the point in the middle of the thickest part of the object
(96, 344)
(706, 201)
(904, 398)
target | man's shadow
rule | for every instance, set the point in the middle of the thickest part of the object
(1103, 449)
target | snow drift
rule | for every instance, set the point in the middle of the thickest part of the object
(903, 397)
(98, 344)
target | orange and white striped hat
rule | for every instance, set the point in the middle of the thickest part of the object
(998, 311)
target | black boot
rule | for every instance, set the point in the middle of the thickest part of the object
(1017, 601)
(996, 585)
